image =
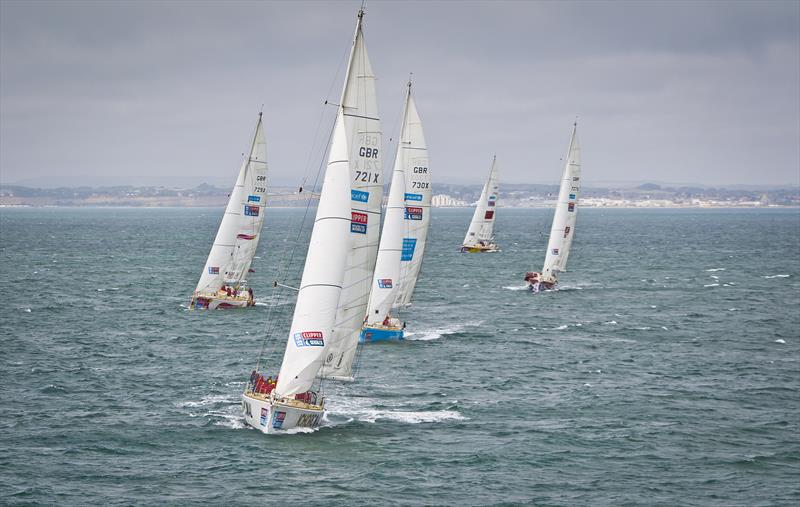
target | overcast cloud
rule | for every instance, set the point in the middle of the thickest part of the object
(168, 93)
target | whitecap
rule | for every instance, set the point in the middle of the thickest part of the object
(711, 285)
(206, 400)
(780, 340)
(411, 417)
(716, 269)
(611, 322)
(433, 334)
(777, 276)
(516, 287)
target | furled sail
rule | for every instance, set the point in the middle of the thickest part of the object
(412, 158)
(359, 106)
(563, 228)
(238, 234)
(321, 285)
(482, 226)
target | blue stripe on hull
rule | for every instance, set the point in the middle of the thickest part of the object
(369, 334)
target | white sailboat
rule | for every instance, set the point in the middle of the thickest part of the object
(364, 136)
(563, 229)
(405, 231)
(480, 235)
(223, 283)
(326, 288)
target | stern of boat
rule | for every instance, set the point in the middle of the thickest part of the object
(269, 415)
(371, 334)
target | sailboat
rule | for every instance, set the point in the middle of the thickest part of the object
(480, 236)
(563, 229)
(405, 231)
(223, 283)
(337, 257)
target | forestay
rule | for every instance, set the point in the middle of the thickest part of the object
(363, 128)
(563, 228)
(412, 158)
(321, 285)
(238, 234)
(482, 226)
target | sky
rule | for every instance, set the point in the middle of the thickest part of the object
(167, 93)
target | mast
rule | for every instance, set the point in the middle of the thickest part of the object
(563, 228)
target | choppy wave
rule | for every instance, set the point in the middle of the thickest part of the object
(434, 334)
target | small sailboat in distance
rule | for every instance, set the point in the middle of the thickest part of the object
(223, 283)
(480, 236)
(563, 228)
(405, 230)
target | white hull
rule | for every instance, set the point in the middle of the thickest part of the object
(272, 416)
(209, 302)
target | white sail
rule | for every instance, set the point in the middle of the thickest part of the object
(387, 267)
(363, 126)
(563, 228)
(412, 157)
(482, 226)
(238, 234)
(321, 284)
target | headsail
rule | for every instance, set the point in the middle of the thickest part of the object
(412, 159)
(363, 127)
(482, 226)
(563, 228)
(321, 285)
(386, 281)
(238, 234)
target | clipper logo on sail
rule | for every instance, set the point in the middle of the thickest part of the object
(413, 213)
(358, 222)
(492, 200)
(213, 270)
(251, 211)
(413, 197)
(385, 283)
(409, 245)
(309, 339)
(358, 195)
(253, 198)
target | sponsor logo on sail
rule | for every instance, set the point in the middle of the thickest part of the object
(413, 197)
(253, 198)
(409, 245)
(359, 195)
(246, 236)
(571, 206)
(413, 213)
(251, 211)
(575, 189)
(566, 231)
(576, 178)
(489, 215)
(358, 222)
(555, 251)
(309, 339)
(213, 270)
(491, 203)
(572, 196)
(277, 421)
(385, 283)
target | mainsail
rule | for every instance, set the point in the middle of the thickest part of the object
(238, 234)
(321, 285)
(482, 226)
(359, 110)
(563, 228)
(412, 159)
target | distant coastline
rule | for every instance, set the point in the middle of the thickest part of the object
(647, 196)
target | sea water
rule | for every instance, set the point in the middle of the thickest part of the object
(665, 371)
